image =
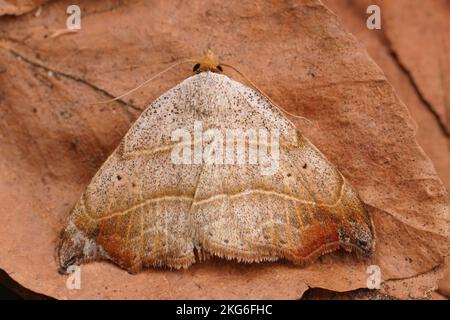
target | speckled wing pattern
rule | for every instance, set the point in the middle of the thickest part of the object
(142, 210)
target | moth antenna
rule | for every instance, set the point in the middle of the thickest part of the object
(147, 81)
(263, 93)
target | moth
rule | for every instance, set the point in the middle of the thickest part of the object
(145, 209)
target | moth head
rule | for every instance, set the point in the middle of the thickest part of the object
(209, 62)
